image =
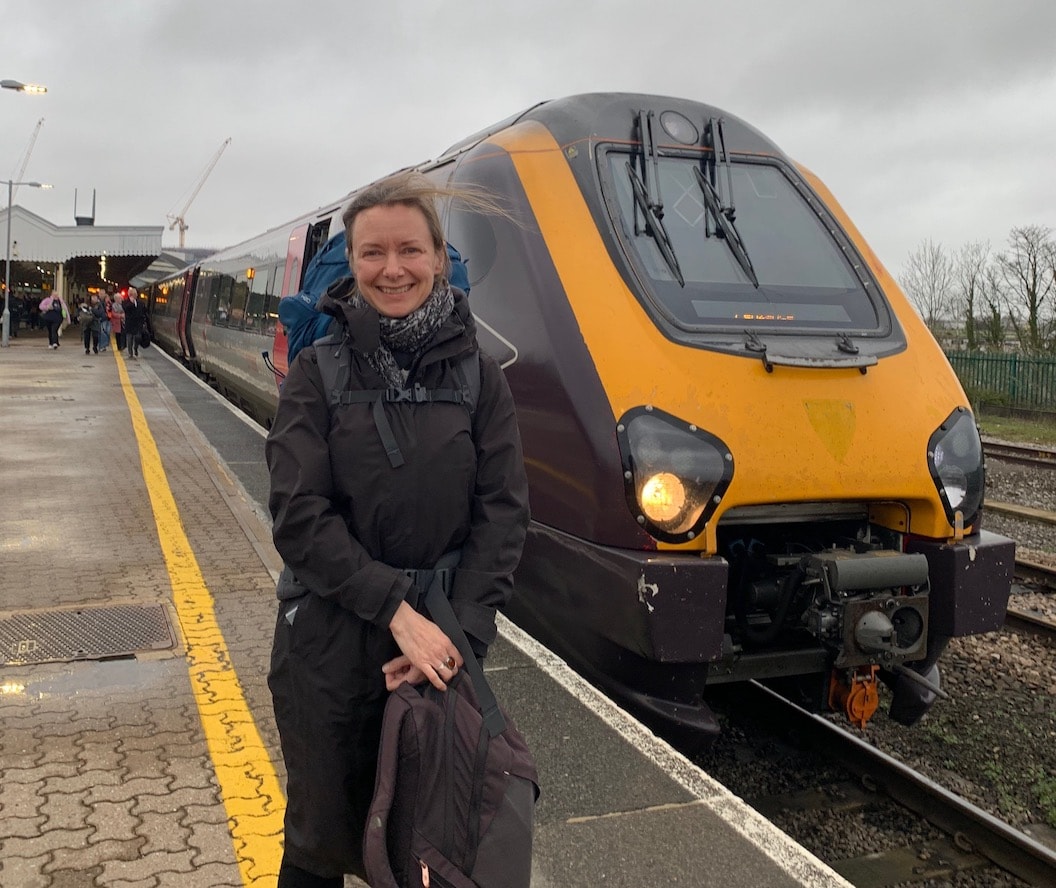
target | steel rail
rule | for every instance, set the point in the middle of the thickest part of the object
(1024, 454)
(1024, 513)
(1018, 620)
(1034, 572)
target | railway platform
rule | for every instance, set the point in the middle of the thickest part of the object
(137, 743)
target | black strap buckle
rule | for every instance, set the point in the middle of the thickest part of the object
(417, 395)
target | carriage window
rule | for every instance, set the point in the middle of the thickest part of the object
(805, 280)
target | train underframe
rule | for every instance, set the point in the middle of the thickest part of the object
(823, 608)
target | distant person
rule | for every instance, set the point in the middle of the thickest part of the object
(117, 323)
(51, 314)
(89, 325)
(104, 322)
(67, 315)
(135, 319)
(16, 308)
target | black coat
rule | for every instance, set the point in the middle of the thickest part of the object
(135, 315)
(347, 523)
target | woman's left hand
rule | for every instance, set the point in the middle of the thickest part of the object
(399, 670)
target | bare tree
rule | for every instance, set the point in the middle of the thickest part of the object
(970, 269)
(1028, 270)
(928, 281)
(992, 329)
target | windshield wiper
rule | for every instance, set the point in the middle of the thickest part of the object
(652, 208)
(724, 215)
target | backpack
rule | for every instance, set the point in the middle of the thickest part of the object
(456, 785)
(297, 313)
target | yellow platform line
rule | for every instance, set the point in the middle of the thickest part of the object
(249, 785)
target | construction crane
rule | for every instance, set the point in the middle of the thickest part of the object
(17, 177)
(180, 219)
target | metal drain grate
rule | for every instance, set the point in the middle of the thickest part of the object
(87, 633)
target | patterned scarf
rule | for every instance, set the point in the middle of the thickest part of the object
(408, 334)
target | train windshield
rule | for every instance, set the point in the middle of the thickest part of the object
(777, 267)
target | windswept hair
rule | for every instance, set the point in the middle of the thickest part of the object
(412, 189)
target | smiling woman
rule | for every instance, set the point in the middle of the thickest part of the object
(383, 469)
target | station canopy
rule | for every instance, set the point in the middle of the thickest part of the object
(91, 254)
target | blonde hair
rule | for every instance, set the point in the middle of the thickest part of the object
(412, 189)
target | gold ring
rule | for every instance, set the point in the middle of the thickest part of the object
(449, 663)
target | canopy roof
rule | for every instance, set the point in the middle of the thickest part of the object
(39, 240)
(128, 249)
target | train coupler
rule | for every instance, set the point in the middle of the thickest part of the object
(855, 692)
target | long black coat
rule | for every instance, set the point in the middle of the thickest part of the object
(346, 522)
(135, 315)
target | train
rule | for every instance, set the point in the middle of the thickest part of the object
(748, 458)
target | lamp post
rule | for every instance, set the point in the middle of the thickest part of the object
(5, 322)
(23, 87)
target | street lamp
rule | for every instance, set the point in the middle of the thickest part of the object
(5, 322)
(23, 87)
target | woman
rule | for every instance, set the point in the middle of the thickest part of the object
(349, 524)
(51, 313)
(117, 322)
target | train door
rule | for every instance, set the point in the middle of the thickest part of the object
(183, 325)
(304, 243)
(291, 279)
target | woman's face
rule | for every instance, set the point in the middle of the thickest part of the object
(393, 258)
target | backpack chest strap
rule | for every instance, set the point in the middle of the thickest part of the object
(419, 394)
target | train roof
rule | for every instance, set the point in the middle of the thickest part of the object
(612, 117)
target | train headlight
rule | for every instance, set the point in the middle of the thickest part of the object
(663, 498)
(675, 473)
(955, 459)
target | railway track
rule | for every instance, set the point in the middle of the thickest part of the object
(1019, 620)
(1036, 574)
(972, 839)
(1024, 454)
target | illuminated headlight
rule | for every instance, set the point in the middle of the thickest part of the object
(675, 473)
(955, 459)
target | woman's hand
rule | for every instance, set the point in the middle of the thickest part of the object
(428, 654)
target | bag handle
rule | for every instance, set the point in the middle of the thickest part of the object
(444, 616)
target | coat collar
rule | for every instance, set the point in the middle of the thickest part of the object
(456, 335)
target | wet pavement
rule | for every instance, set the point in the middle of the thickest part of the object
(149, 758)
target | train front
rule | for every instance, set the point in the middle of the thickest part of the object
(749, 459)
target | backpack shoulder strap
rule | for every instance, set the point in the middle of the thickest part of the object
(333, 354)
(468, 370)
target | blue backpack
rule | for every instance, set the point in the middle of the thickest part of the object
(297, 313)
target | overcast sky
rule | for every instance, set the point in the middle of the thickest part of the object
(926, 119)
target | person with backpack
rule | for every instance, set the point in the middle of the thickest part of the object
(52, 313)
(91, 317)
(395, 443)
